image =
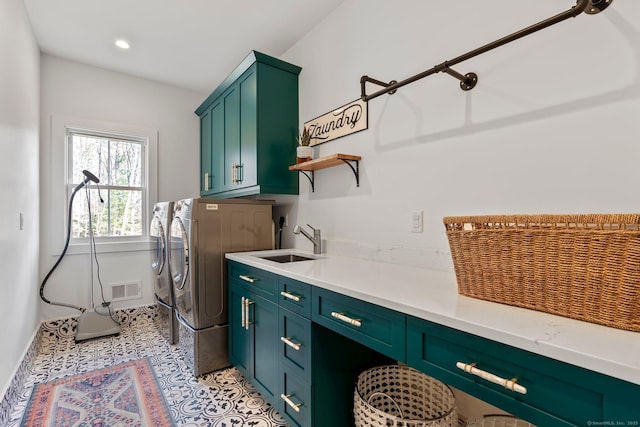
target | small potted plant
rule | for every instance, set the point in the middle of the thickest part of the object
(304, 152)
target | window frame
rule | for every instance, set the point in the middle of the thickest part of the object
(60, 193)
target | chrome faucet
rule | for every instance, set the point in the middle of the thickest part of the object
(316, 240)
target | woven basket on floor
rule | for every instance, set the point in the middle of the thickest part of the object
(586, 267)
(400, 396)
(498, 421)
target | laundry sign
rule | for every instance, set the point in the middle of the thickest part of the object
(348, 119)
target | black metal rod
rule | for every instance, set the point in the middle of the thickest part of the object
(576, 10)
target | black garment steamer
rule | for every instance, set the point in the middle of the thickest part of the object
(90, 323)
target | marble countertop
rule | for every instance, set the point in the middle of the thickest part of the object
(432, 295)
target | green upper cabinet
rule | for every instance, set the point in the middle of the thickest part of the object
(248, 129)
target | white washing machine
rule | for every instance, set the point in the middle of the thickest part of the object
(162, 284)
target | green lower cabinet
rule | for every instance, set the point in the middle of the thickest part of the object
(253, 338)
(295, 402)
(557, 394)
(369, 324)
(318, 371)
(303, 348)
(295, 343)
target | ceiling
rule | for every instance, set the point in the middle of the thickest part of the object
(193, 44)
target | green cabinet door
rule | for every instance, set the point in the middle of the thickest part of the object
(248, 124)
(263, 322)
(216, 150)
(240, 349)
(231, 144)
(205, 152)
(253, 328)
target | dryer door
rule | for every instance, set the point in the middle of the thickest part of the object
(179, 257)
(179, 267)
(157, 234)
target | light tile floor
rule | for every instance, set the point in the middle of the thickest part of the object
(220, 399)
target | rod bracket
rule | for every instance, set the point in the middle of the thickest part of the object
(597, 6)
(470, 81)
(366, 79)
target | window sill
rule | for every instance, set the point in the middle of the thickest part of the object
(111, 247)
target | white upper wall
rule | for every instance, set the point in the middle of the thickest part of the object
(553, 125)
(71, 89)
(19, 95)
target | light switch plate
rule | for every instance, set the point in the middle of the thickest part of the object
(416, 221)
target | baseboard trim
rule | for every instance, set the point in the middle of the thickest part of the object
(18, 377)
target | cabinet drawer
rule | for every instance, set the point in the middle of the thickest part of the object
(295, 399)
(376, 327)
(557, 393)
(295, 342)
(295, 296)
(259, 281)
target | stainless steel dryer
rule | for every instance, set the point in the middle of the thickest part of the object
(202, 231)
(162, 284)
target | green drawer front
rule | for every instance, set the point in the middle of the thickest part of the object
(376, 327)
(557, 393)
(295, 296)
(259, 281)
(295, 399)
(295, 342)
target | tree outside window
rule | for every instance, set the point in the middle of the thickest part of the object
(118, 162)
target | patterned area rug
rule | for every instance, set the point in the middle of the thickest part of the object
(122, 395)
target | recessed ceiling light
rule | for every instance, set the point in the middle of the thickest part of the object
(122, 44)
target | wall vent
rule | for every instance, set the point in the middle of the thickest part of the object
(131, 289)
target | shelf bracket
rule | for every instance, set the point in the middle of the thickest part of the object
(326, 162)
(356, 170)
(311, 179)
(469, 80)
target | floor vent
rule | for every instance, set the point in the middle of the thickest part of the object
(126, 290)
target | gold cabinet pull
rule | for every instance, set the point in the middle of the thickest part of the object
(245, 313)
(247, 278)
(245, 323)
(294, 345)
(346, 319)
(287, 399)
(288, 295)
(511, 384)
(242, 315)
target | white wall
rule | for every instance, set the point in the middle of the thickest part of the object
(19, 87)
(553, 125)
(76, 90)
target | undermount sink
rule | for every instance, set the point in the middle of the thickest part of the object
(287, 258)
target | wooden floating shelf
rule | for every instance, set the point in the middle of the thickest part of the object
(324, 162)
(327, 162)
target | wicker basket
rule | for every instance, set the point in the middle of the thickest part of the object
(400, 396)
(586, 267)
(498, 421)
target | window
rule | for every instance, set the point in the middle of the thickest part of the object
(124, 157)
(118, 205)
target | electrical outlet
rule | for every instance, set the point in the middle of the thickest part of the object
(416, 221)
